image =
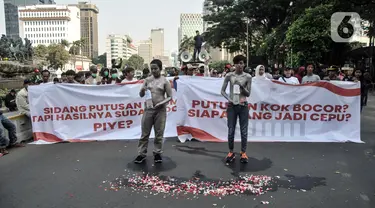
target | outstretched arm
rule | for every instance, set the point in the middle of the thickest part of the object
(224, 88)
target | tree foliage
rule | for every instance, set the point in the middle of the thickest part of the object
(276, 25)
(218, 65)
(309, 35)
(135, 61)
(57, 56)
(102, 59)
(187, 43)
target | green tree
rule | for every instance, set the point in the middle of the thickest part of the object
(187, 43)
(309, 35)
(40, 51)
(135, 61)
(76, 49)
(218, 65)
(57, 56)
(102, 59)
(65, 43)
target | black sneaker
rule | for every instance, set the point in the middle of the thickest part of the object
(157, 158)
(230, 157)
(140, 159)
(244, 158)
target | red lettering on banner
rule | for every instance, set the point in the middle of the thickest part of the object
(319, 108)
(329, 117)
(260, 116)
(172, 102)
(206, 113)
(209, 104)
(112, 125)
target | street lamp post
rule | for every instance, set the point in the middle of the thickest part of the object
(247, 42)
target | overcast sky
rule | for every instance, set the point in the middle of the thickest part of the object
(136, 17)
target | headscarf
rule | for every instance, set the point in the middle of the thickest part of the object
(257, 72)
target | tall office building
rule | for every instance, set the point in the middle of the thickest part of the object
(11, 14)
(89, 28)
(119, 46)
(145, 51)
(49, 24)
(189, 23)
(157, 40)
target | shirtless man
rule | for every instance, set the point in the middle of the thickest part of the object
(240, 88)
(154, 87)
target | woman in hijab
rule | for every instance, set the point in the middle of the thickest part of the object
(260, 73)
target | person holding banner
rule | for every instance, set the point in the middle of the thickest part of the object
(154, 89)
(240, 88)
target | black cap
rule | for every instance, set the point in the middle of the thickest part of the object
(13, 90)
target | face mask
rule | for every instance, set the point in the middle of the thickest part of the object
(93, 75)
(105, 73)
(114, 76)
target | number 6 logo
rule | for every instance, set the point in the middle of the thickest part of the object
(344, 26)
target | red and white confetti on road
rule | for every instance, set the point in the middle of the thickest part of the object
(248, 184)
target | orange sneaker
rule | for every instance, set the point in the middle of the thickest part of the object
(244, 158)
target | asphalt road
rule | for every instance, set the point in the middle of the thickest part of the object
(311, 174)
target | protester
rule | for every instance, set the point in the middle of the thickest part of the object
(240, 89)
(198, 41)
(56, 80)
(288, 78)
(348, 76)
(10, 101)
(104, 73)
(70, 75)
(310, 77)
(201, 71)
(332, 74)
(155, 88)
(300, 74)
(64, 78)
(22, 100)
(45, 76)
(276, 74)
(12, 136)
(114, 77)
(129, 75)
(145, 73)
(260, 73)
(365, 85)
(94, 79)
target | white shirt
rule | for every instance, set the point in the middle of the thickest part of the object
(127, 81)
(289, 80)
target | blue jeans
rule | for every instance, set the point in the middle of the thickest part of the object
(241, 112)
(8, 125)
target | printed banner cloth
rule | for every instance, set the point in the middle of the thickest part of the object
(313, 112)
(69, 112)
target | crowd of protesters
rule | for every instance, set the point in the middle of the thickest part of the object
(301, 75)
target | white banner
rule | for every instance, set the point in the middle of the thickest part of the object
(313, 112)
(70, 112)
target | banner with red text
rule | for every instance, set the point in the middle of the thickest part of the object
(314, 112)
(73, 112)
